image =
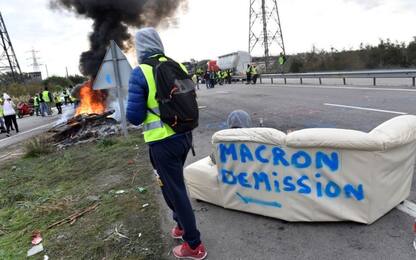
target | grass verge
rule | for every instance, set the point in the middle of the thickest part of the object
(37, 192)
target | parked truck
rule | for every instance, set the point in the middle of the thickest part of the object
(236, 62)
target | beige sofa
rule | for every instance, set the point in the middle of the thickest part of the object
(311, 174)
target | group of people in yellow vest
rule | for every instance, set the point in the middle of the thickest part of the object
(252, 74)
(43, 102)
(216, 77)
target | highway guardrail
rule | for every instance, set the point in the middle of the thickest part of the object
(370, 74)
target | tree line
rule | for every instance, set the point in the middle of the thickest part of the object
(385, 55)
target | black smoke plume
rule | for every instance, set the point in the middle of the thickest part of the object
(112, 19)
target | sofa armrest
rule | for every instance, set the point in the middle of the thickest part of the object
(396, 132)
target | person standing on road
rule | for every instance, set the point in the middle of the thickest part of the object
(168, 150)
(58, 103)
(9, 114)
(2, 125)
(254, 73)
(47, 98)
(212, 79)
(229, 77)
(36, 104)
(207, 79)
(248, 74)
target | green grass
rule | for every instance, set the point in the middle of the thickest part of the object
(38, 147)
(37, 192)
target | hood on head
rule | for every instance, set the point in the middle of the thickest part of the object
(239, 119)
(148, 43)
(5, 96)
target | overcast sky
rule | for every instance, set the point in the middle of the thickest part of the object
(212, 28)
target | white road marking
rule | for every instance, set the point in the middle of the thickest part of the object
(339, 87)
(408, 207)
(202, 107)
(366, 108)
(29, 131)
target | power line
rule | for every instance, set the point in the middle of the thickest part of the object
(9, 66)
(265, 29)
(35, 60)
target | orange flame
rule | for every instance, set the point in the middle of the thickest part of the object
(91, 101)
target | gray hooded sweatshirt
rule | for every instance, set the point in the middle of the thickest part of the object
(148, 43)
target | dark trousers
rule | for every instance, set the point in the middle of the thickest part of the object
(59, 107)
(255, 77)
(9, 120)
(168, 158)
(37, 110)
(248, 81)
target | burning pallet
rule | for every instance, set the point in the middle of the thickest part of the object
(85, 128)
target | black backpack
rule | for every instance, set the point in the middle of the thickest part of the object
(175, 93)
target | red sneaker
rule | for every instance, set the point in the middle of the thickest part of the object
(176, 233)
(185, 251)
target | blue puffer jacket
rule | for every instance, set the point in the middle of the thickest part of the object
(148, 43)
(137, 102)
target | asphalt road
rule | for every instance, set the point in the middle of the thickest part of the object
(235, 235)
(29, 126)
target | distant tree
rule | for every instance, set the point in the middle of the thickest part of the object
(56, 81)
(296, 66)
(77, 79)
(411, 53)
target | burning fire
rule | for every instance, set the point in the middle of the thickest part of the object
(91, 101)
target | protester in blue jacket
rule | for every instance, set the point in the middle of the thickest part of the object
(168, 150)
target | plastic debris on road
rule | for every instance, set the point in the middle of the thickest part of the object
(35, 250)
(36, 237)
(141, 189)
(145, 205)
(120, 192)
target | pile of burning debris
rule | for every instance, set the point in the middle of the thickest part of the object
(85, 128)
(91, 120)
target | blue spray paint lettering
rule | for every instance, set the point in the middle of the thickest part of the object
(261, 178)
(289, 186)
(242, 179)
(301, 160)
(331, 162)
(226, 175)
(351, 191)
(245, 153)
(279, 157)
(304, 188)
(332, 190)
(259, 156)
(249, 200)
(225, 151)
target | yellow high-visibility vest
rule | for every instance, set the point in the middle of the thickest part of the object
(45, 96)
(36, 101)
(153, 127)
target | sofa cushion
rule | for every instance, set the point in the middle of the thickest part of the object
(255, 135)
(333, 139)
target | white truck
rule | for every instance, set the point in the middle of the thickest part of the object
(236, 62)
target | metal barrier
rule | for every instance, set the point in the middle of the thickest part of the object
(411, 74)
